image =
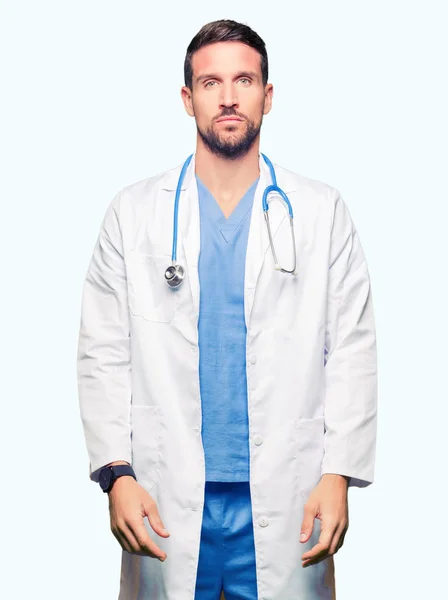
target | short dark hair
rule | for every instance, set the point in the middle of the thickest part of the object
(225, 30)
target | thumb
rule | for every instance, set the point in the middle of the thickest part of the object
(154, 519)
(307, 525)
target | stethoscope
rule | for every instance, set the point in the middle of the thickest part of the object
(175, 274)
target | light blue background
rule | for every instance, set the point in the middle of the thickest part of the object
(91, 103)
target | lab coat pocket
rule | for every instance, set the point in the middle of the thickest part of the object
(150, 297)
(145, 443)
(310, 453)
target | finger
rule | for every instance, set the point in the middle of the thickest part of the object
(316, 551)
(336, 541)
(326, 537)
(343, 530)
(319, 558)
(155, 520)
(341, 541)
(324, 553)
(131, 540)
(307, 524)
(125, 535)
(121, 538)
(339, 546)
(146, 544)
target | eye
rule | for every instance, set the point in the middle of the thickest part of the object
(245, 79)
(208, 83)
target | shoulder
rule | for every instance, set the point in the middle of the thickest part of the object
(308, 189)
(304, 183)
(138, 193)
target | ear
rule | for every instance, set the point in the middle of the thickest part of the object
(268, 94)
(185, 93)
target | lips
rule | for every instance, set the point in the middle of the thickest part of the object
(229, 119)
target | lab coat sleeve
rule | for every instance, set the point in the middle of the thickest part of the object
(350, 370)
(103, 358)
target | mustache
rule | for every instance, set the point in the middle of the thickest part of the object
(229, 112)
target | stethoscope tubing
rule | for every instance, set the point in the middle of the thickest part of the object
(270, 188)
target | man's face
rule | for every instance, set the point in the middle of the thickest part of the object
(228, 97)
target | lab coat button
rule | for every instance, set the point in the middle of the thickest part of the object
(263, 521)
(258, 439)
(253, 359)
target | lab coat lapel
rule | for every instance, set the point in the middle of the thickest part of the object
(258, 242)
(189, 234)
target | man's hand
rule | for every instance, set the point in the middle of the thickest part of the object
(327, 502)
(129, 503)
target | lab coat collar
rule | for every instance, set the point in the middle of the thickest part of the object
(285, 180)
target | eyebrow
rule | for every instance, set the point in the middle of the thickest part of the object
(251, 74)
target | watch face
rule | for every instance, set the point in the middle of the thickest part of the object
(105, 478)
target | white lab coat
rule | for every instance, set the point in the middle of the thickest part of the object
(311, 373)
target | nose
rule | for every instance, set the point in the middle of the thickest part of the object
(228, 97)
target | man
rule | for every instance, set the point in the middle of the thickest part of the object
(237, 408)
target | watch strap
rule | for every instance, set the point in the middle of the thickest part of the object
(120, 470)
(117, 471)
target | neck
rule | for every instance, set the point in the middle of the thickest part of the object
(226, 179)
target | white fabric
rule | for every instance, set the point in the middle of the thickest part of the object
(139, 384)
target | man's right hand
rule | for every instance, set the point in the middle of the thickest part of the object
(129, 504)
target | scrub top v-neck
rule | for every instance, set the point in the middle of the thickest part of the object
(222, 336)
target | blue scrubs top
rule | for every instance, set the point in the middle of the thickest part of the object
(222, 336)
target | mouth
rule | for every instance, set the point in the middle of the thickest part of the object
(228, 119)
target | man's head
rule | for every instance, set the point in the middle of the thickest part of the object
(226, 73)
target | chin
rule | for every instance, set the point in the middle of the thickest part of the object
(232, 131)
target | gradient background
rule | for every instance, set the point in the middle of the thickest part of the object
(90, 103)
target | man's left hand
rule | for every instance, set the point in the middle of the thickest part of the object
(327, 502)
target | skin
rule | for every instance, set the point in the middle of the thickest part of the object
(227, 80)
(129, 504)
(329, 503)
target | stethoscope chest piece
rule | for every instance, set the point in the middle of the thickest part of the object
(174, 275)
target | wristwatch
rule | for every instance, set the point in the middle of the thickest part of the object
(108, 475)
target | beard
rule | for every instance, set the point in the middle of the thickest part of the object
(231, 147)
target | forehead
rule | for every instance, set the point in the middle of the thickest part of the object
(225, 58)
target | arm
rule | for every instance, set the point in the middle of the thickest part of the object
(104, 383)
(351, 361)
(350, 373)
(103, 359)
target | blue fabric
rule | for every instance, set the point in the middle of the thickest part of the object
(222, 336)
(227, 550)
